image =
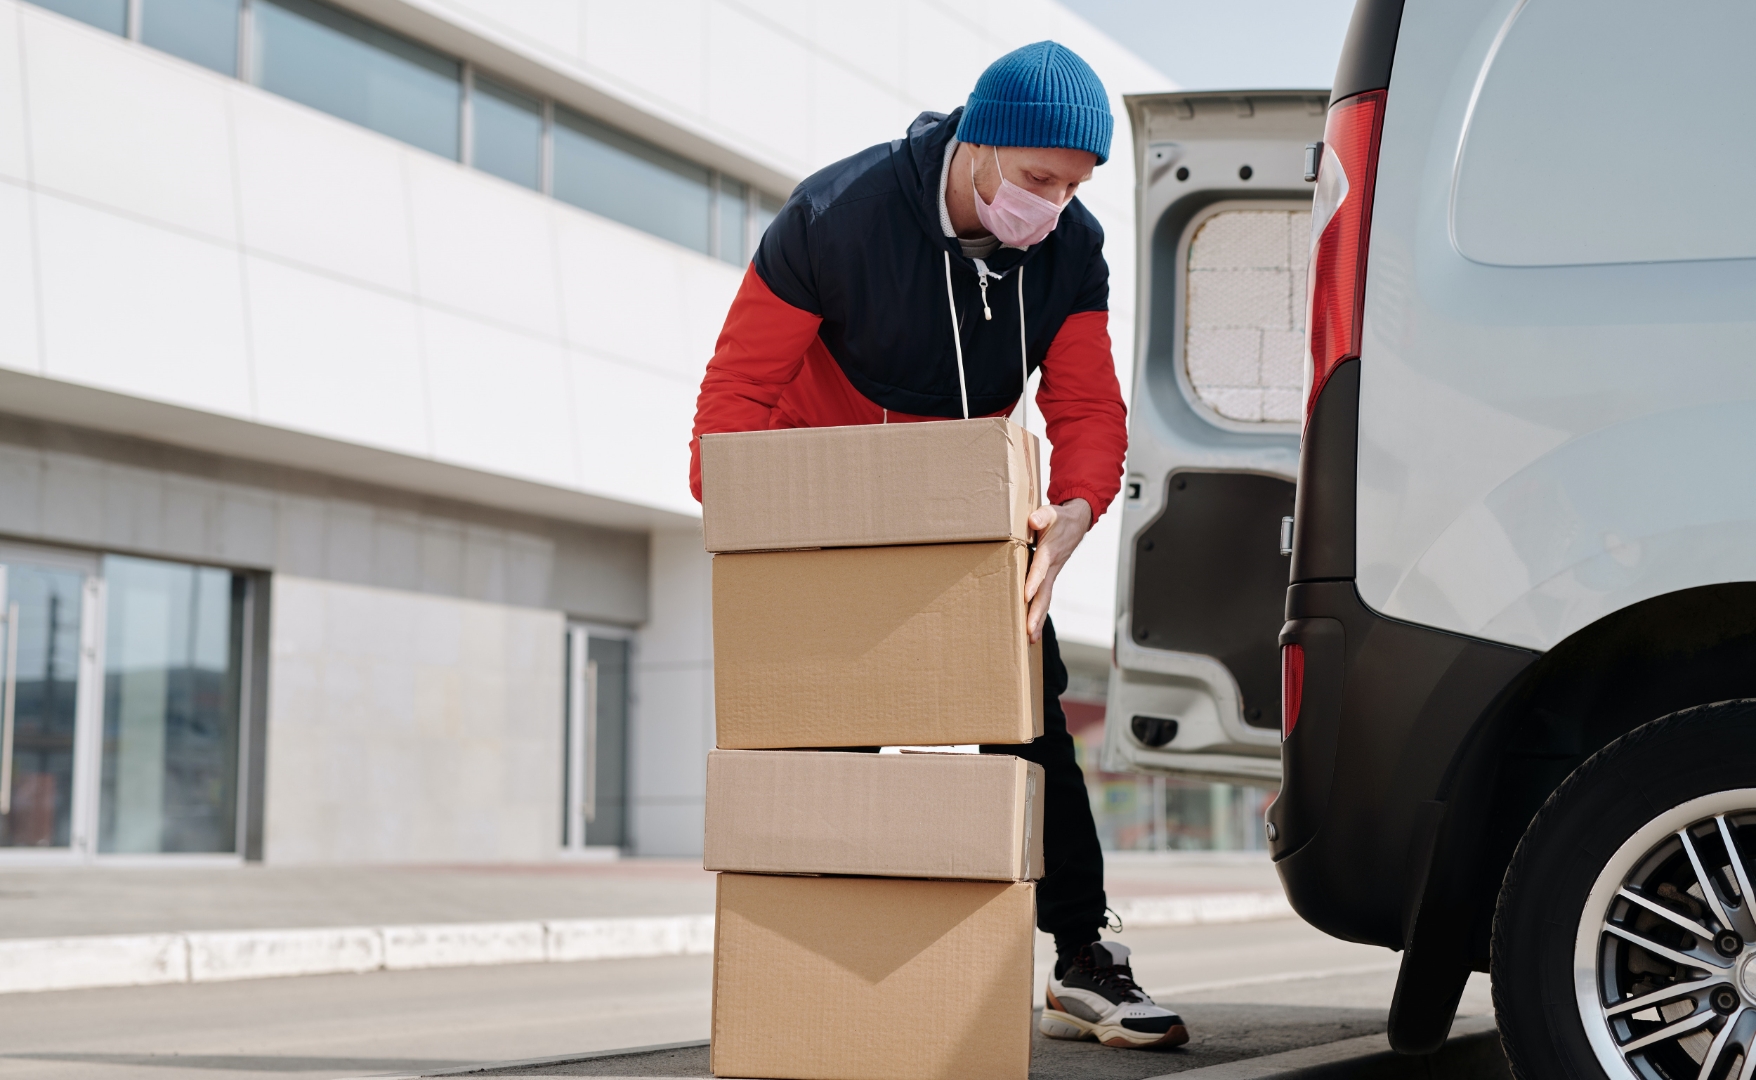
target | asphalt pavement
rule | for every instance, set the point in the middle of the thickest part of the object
(1222, 1032)
(1246, 988)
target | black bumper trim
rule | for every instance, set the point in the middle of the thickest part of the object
(1409, 698)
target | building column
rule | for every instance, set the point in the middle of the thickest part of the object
(673, 699)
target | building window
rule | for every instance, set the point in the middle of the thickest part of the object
(507, 133)
(767, 209)
(600, 169)
(340, 64)
(202, 32)
(731, 209)
(594, 739)
(122, 690)
(111, 15)
(347, 67)
(173, 673)
(39, 688)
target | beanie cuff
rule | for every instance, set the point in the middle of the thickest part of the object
(1060, 125)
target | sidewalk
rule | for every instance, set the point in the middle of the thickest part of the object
(90, 927)
(79, 901)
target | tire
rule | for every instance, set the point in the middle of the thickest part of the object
(1599, 868)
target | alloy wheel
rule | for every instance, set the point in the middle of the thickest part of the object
(1665, 954)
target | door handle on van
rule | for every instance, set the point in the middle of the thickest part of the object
(1313, 156)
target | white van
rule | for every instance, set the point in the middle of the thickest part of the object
(1510, 693)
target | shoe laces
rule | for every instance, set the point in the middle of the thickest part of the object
(1118, 977)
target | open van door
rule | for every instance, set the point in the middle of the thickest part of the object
(1224, 218)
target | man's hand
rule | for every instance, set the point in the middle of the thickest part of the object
(1059, 530)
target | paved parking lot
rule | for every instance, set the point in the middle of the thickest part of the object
(1247, 988)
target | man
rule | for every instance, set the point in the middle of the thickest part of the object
(920, 280)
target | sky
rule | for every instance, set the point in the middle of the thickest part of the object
(1229, 44)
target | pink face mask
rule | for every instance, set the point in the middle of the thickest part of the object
(1019, 218)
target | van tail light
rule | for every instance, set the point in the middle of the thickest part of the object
(1292, 686)
(1341, 225)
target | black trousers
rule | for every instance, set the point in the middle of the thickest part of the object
(1070, 898)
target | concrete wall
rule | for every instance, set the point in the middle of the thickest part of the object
(410, 728)
(174, 235)
(66, 485)
(414, 649)
(187, 257)
(673, 700)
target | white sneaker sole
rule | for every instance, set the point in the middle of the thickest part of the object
(1059, 1025)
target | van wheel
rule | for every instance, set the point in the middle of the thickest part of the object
(1625, 936)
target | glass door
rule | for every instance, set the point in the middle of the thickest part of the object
(173, 675)
(595, 740)
(120, 704)
(48, 608)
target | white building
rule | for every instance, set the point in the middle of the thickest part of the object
(348, 356)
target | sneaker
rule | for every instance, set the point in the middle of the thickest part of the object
(1095, 997)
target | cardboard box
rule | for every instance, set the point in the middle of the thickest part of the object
(970, 816)
(872, 978)
(876, 484)
(892, 646)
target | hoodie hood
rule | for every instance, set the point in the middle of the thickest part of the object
(918, 159)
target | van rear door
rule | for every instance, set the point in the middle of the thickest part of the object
(1224, 219)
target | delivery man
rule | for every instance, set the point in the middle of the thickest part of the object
(922, 279)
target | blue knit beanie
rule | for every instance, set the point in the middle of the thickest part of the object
(1040, 95)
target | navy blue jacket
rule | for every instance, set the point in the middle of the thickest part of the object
(859, 244)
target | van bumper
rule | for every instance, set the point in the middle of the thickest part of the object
(1387, 709)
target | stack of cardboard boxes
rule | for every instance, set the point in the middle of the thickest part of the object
(875, 911)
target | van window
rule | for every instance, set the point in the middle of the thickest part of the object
(1244, 322)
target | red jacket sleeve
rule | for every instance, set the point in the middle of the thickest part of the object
(1083, 412)
(760, 350)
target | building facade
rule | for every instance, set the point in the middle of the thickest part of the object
(348, 355)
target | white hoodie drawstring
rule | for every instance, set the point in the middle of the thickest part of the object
(983, 274)
(1023, 359)
(956, 337)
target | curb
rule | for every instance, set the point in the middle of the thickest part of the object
(79, 963)
(83, 963)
